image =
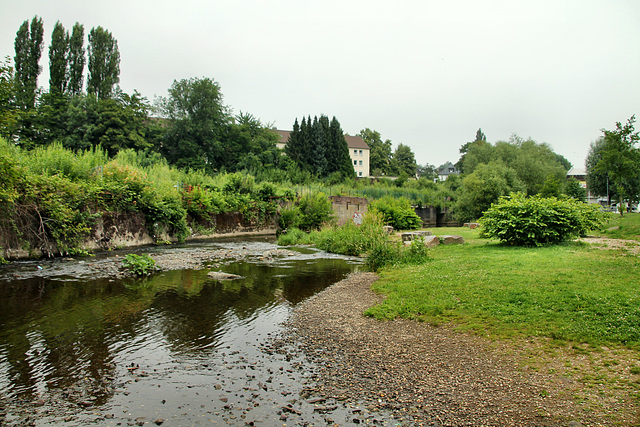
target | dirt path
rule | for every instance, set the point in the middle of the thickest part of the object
(427, 375)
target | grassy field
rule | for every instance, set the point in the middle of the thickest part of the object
(570, 312)
(625, 227)
(565, 292)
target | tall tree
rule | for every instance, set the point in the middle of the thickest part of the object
(404, 161)
(598, 180)
(339, 159)
(58, 59)
(532, 162)
(28, 47)
(620, 160)
(198, 123)
(76, 60)
(380, 151)
(319, 146)
(104, 63)
(8, 113)
(480, 139)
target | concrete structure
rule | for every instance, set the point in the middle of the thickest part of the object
(349, 208)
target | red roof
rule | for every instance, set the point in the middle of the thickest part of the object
(356, 142)
(352, 141)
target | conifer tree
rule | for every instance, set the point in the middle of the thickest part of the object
(320, 136)
(339, 158)
(293, 144)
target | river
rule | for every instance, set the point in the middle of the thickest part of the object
(81, 345)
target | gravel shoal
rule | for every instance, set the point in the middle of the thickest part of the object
(424, 375)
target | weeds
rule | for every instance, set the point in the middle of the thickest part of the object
(139, 265)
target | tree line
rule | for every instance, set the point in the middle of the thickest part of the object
(613, 164)
(319, 146)
(191, 126)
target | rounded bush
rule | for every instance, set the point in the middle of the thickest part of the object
(534, 221)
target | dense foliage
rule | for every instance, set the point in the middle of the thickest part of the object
(534, 221)
(51, 197)
(397, 212)
(320, 148)
(494, 170)
(613, 164)
(385, 161)
(369, 239)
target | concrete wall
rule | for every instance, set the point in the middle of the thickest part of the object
(436, 217)
(346, 208)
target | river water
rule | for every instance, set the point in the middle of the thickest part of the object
(176, 348)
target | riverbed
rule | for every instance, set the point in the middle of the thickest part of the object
(81, 342)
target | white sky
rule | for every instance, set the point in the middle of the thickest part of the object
(427, 74)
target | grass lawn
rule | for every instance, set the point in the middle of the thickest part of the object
(625, 227)
(565, 292)
(571, 311)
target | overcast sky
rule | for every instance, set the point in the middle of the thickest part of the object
(427, 74)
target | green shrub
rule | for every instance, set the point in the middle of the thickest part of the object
(397, 213)
(383, 254)
(534, 221)
(315, 210)
(293, 236)
(416, 253)
(140, 265)
(289, 217)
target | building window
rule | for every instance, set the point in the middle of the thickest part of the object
(355, 163)
(360, 152)
(360, 162)
(359, 173)
(355, 152)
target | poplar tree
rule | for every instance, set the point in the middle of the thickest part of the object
(58, 59)
(28, 47)
(76, 60)
(104, 63)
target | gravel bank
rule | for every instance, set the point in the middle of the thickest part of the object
(425, 375)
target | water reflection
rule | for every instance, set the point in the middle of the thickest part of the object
(57, 333)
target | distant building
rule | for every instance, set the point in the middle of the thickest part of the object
(446, 170)
(359, 151)
(581, 175)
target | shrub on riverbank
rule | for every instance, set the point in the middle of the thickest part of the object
(368, 239)
(533, 221)
(397, 212)
(51, 197)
